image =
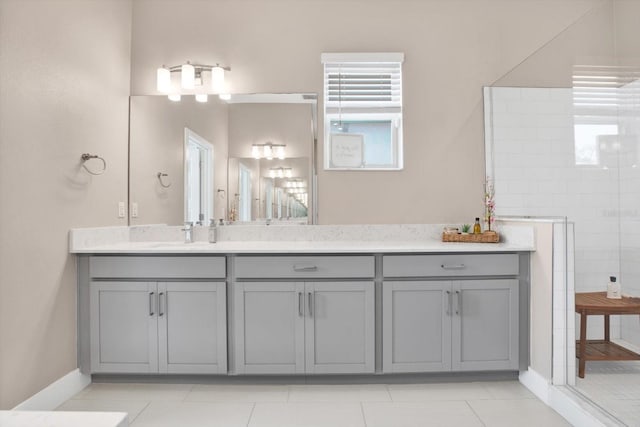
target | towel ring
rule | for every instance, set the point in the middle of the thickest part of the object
(160, 175)
(86, 157)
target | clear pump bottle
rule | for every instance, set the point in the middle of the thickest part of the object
(213, 231)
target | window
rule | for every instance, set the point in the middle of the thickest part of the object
(363, 111)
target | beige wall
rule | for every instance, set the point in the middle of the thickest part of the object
(64, 83)
(452, 48)
(157, 145)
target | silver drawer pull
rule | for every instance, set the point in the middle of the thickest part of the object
(310, 304)
(160, 310)
(449, 303)
(300, 303)
(305, 268)
(459, 302)
(151, 312)
(453, 266)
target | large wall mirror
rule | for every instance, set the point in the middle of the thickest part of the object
(247, 160)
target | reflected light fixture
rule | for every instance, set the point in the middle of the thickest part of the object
(280, 172)
(268, 151)
(193, 77)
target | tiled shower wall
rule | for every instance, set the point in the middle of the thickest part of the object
(532, 153)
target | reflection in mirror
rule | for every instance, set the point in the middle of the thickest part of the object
(192, 161)
(163, 137)
(271, 149)
(198, 173)
(273, 190)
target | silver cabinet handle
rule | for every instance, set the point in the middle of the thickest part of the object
(310, 304)
(302, 268)
(453, 266)
(160, 310)
(459, 302)
(151, 312)
(300, 297)
(449, 302)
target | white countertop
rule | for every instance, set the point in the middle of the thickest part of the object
(306, 239)
(62, 419)
(259, 247)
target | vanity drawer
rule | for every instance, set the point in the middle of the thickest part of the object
(165, 267)
(284, 267)
(450, 265)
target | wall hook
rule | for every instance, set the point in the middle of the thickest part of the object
(86, 157)
(160, 175)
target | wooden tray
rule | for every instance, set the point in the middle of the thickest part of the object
(486, 237)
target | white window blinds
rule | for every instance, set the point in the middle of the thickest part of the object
(363, 81)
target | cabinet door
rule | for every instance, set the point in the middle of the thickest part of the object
(124, 331)
(416, 326)
(192, 327)
(269, 328)
(340, 327)
(485, 325)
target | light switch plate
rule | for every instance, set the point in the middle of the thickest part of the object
(121, 211)
(134, 210)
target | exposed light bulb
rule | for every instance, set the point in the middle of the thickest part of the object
(202, 97)
(163, 80)
(272, 173)
(217, 79)
(268, 152)
(255, 152)
(279, 152)
(188, 76)
(174, 97)
(225, 96)
(280, 173)
(288, 173)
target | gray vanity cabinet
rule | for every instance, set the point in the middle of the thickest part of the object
(290, 322)
(468, 323)
(159, 314)
(297, 327)
(158, 327)
(269, 323)
(124, 327)
(416, 326)
(340, 327)
(485, 325)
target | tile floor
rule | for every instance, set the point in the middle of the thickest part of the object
(615, 387)
(489, 404)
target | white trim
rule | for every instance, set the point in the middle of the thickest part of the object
(578, 411)
(362, 57)
(536, 383)
(56, 393)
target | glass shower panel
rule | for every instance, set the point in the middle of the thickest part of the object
(629, 157)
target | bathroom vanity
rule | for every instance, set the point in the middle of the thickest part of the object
(302, 308)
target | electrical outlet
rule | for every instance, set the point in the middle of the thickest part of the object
(121, 210)
(134, 210)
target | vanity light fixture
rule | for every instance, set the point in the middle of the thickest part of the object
(280, 172)
(268, 151)
(192, 79)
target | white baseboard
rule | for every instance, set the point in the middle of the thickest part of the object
(536, 383)
(56, 393)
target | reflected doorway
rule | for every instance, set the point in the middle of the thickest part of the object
(198, 176)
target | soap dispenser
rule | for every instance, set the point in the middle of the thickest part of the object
(213, 231)
(613, 289)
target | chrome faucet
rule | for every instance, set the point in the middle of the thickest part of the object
(188, 232)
